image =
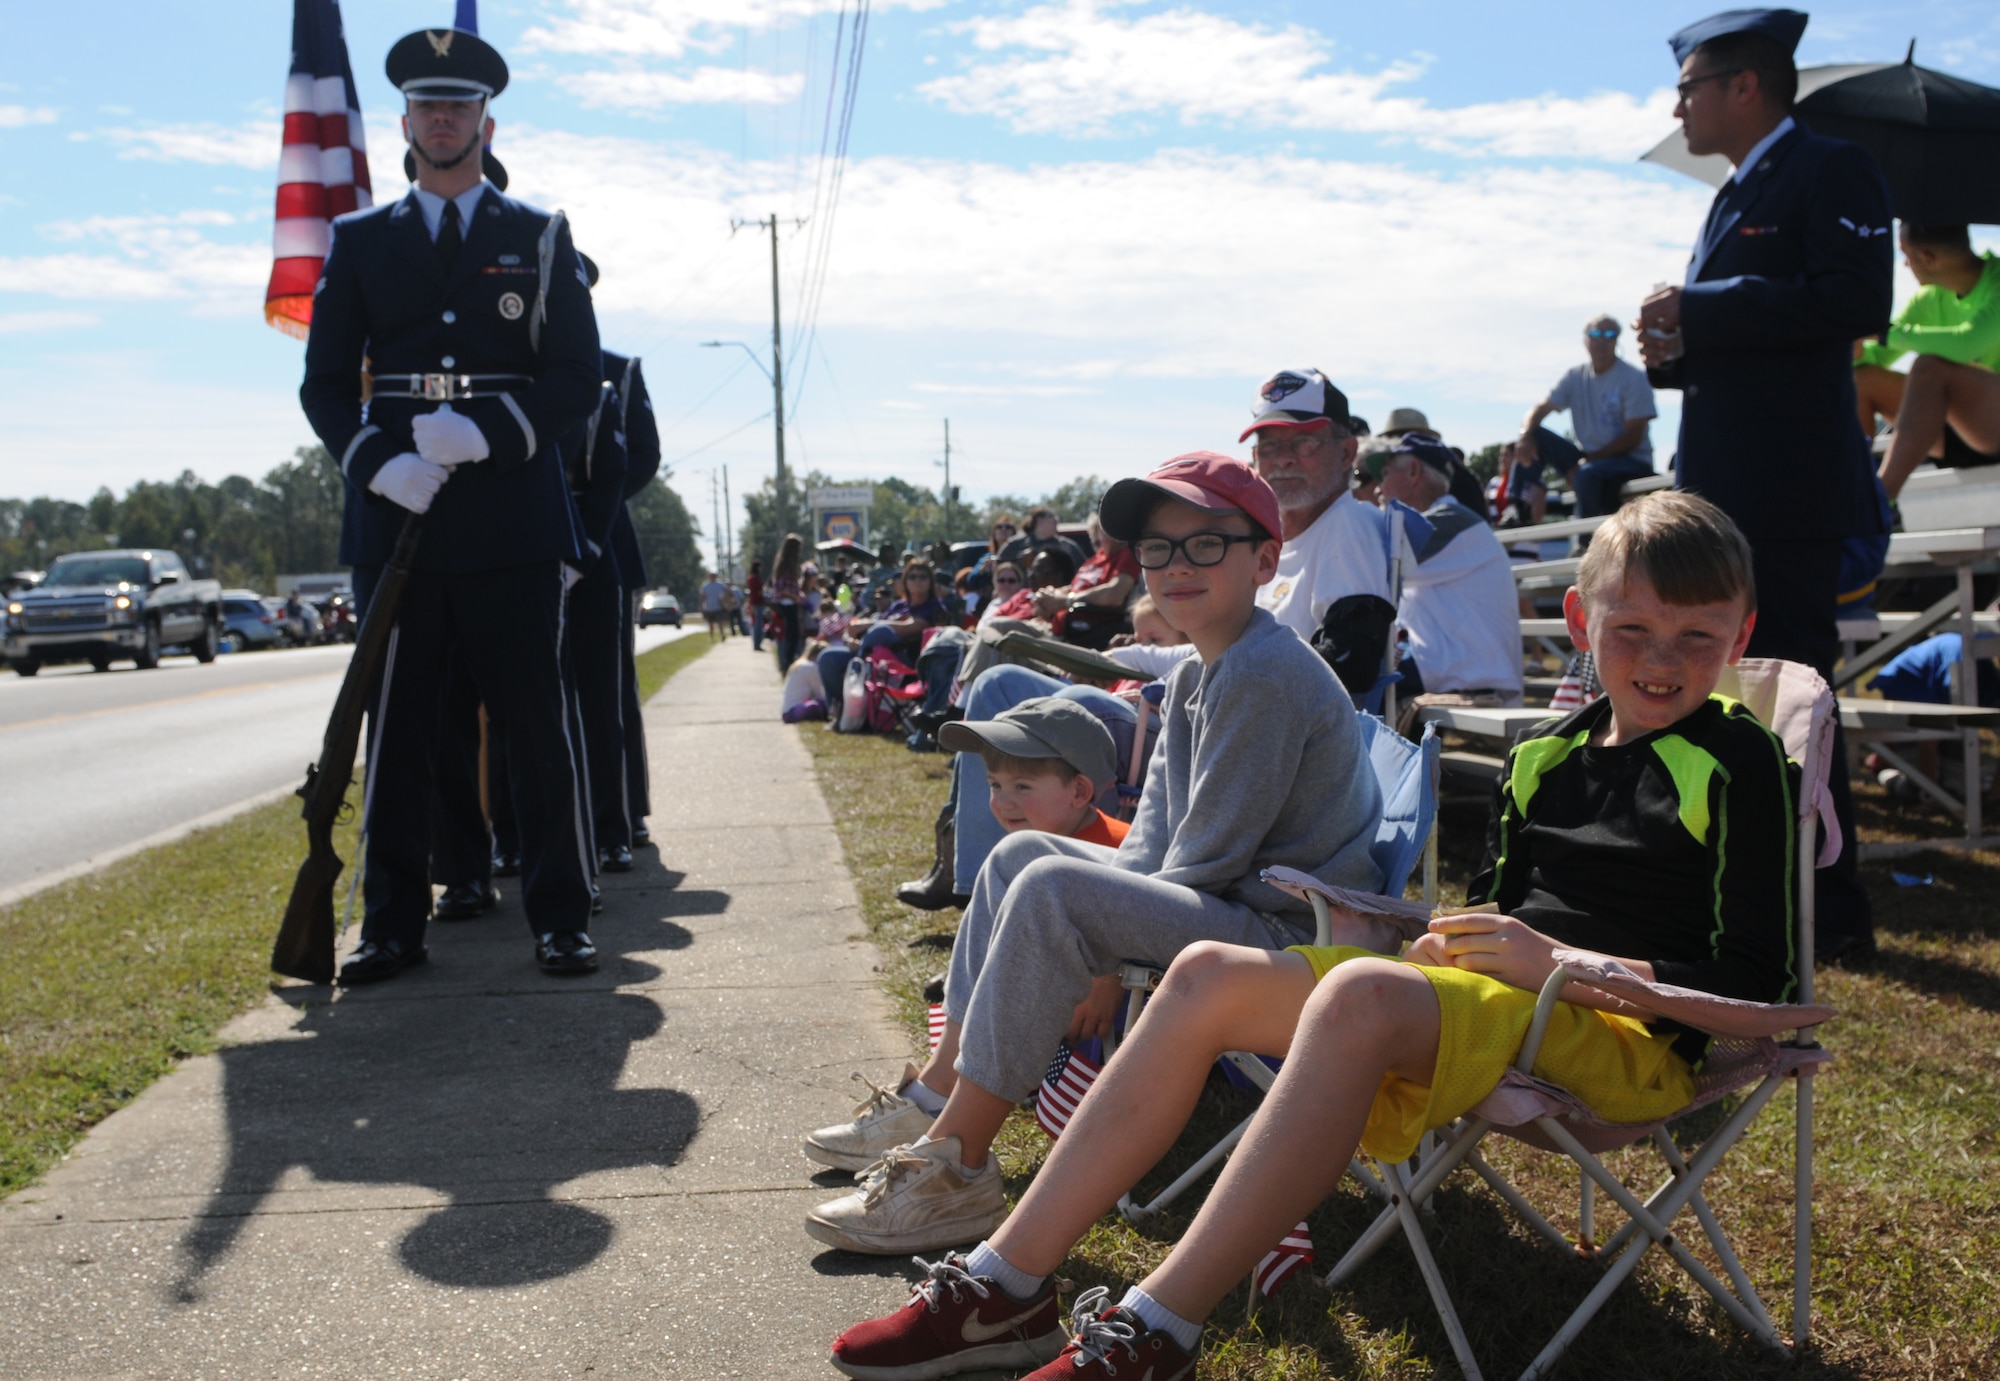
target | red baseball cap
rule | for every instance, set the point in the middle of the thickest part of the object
(1216, 483)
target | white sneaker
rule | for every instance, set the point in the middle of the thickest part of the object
(882, 1121)
(916, 1198)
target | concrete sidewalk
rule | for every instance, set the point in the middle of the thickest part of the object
(477, 1171)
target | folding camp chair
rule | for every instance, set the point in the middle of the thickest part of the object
(1795, 703)
(1408, 773)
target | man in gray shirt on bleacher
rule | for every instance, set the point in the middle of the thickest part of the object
(1609, 404)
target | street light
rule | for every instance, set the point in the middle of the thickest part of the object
(777, 397)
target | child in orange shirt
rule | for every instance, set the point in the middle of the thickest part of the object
(1046, 761)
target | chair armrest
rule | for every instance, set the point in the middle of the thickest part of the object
(1705, 1012)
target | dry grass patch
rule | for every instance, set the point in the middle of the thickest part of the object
(1908, 1221)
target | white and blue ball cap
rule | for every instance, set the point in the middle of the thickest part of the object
(1297, 398)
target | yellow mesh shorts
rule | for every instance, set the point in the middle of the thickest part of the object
(1624, 1072)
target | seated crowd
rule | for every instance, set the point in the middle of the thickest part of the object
(1257, 607)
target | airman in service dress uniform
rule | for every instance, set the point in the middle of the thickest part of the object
(1792, 267)
(471, 314)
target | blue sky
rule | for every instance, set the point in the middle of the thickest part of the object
(1082, 230)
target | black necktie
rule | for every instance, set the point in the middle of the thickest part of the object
(450, 237)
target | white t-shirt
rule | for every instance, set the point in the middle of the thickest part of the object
(1459, 605)
(802, 683)
(1600, 405)
(1345, 552)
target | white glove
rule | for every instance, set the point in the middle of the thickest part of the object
(409, 480)
(449, 438)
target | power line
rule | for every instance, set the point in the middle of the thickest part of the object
(819, 254)
(690, 455)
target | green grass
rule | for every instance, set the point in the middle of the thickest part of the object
(107, 981)
(1907, 1234)
(662, 662)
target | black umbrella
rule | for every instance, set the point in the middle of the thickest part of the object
(1936, 137)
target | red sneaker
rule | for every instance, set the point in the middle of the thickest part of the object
(954, 1322)
(1112, 1342)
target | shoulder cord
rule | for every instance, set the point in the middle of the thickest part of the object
(546, 254)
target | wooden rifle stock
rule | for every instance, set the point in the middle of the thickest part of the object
(305, 943)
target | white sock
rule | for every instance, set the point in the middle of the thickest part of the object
(1161, 1319)
(1017, 1283)
(924, 1096)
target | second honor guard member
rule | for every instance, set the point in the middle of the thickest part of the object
(621, 806)
(472, 316)
(1793, 266)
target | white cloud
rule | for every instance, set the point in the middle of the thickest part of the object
(151, 258)
(1183, 265)
(673, 28)
(15, 116)
(31, 323)
(1076, 69)
(635, 90)
(251, 145)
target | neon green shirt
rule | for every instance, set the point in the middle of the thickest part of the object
(1937, 321)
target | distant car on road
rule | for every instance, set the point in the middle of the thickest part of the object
(658, 606)
(98, 606)
(248, 622)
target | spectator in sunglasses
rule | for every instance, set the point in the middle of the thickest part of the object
(1609, 404)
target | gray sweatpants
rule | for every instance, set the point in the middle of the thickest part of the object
(1048, 915)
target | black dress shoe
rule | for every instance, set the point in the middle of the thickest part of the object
(641, 836)
(614, 860)
(377, 960)
(596, 899)
(506, 865)
(566, 952)
(465, 900)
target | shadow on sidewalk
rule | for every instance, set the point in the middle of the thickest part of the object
(491, 1099)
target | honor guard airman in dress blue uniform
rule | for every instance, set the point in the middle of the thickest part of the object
(1793, 265)
(470, 312)
(642, 467)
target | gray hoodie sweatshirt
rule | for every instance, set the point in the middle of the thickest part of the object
(1259, 762)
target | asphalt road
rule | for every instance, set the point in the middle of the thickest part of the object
(93, 762)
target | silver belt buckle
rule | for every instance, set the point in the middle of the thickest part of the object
(438, 387)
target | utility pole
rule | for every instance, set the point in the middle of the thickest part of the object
(777, 372)
(716, 511)
(728, 521)
(947, 481)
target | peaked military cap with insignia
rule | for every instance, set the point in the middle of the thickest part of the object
(446, 65)
(1784, 27)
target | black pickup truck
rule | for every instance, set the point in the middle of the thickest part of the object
(100, 606)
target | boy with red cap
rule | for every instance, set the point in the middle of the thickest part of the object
(1258, 764)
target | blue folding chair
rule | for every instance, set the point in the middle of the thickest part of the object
(1408, 774)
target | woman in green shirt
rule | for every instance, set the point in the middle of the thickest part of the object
(1953, 326)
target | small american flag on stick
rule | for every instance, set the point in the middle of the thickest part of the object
(323, 166)
(1070, 1075)
(1282, 1262)
(936, 1025)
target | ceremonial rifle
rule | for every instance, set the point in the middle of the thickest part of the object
(305, 944)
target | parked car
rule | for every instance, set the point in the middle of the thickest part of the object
(98, 606)
(659, 606)
(248, 622)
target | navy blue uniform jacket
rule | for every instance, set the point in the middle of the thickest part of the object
(1793, 266)
(385, 297)
(642, 461)
(595, 465)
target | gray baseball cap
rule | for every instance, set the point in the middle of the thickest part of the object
(1045, 727)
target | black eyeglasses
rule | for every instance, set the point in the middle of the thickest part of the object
(1202, 549)
(1686, 88)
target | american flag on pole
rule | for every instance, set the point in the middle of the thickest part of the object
(323, 168)
(1282, 1261)
(1070, 1075)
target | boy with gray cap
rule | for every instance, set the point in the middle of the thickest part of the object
(1258, 763)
